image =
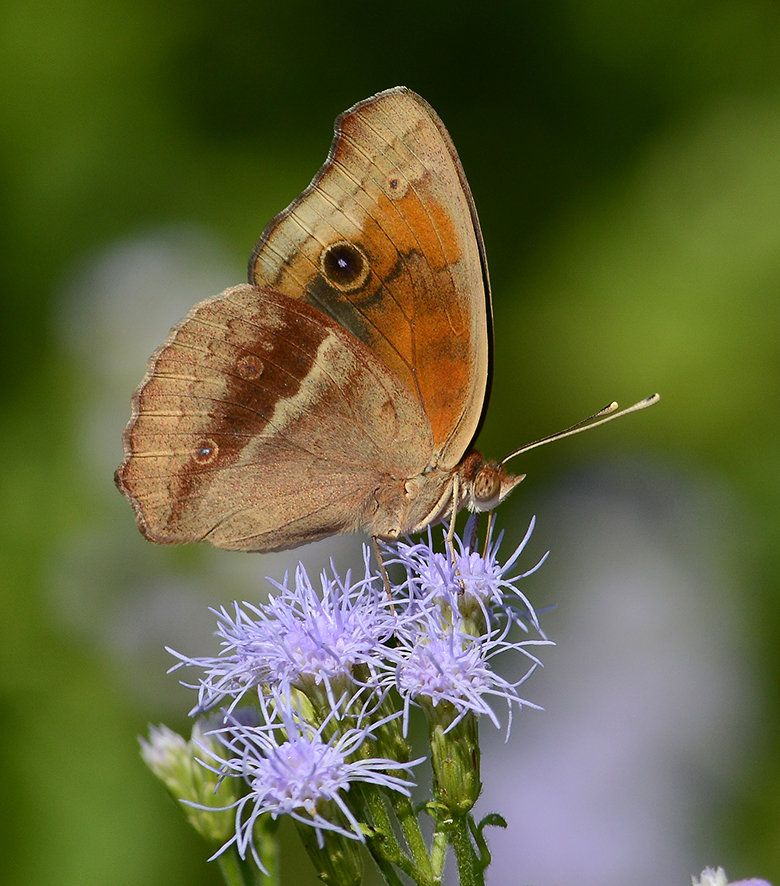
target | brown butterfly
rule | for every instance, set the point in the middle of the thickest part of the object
(342, 389)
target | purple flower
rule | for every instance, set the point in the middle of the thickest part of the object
(291, 768)
(441, 663)
(299, 638)
(304, 680)
(470, 582)
(454, 619)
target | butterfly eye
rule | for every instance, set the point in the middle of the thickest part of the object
(345, 266)
(487, 486)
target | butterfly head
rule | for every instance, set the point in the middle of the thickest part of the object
(485, 483)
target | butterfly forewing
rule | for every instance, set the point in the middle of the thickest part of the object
(386, 242)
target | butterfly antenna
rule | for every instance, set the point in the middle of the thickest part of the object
(608, 413)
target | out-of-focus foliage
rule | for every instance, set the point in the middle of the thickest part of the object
(625, 161)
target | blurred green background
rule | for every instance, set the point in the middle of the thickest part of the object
(625, 162)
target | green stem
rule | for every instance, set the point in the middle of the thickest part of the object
(378, 843)
(410, 825)
(384, 846)
(470, 868)
(386, 869)
(484, 857)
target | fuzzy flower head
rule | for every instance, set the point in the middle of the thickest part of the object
(306, 680)
(300, 638)
(290, 768)
(440, 663)
(473, 584)
(462, 612)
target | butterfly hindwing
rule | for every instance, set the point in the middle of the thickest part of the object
(228, 443)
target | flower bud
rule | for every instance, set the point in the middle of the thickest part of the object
(454, 756)
(173, 760)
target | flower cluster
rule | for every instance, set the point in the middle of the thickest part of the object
(311, 696)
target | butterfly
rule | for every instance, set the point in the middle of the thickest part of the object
(343, 387)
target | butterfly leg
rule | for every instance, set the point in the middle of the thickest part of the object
(451, 530)
(453, 515)
(381, 564)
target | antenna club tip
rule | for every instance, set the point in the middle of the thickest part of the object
(601, 417)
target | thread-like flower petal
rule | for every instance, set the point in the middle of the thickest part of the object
(299, 638)
(291, 769)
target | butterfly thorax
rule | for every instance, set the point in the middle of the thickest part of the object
(410, 505)
(402, 506)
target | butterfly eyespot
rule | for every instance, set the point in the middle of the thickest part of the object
(345, 266)
(250, 367)
(205, 452)
(487, 484)
(396, 188)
